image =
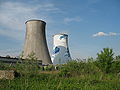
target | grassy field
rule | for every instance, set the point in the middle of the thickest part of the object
(71, 76)
(53, 82)
(103, 73)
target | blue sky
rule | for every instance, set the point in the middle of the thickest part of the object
(90, 24)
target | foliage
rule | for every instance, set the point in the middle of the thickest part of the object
(23, 67)
(115, 66)
(53, 82)
(27, 68)
(75, 68)
(105, 59)
(31, 56)
(117, 57)
(75, 75)
(4, 66)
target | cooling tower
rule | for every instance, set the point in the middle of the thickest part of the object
(35, 41)
(61, 53)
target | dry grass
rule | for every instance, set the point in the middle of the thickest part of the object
(49, 72)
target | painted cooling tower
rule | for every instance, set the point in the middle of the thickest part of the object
(60, 49)
(35, 41)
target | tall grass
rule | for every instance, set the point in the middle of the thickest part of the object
(72, 76)
(50, 82)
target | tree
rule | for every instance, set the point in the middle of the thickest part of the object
(105, 59)
(32, 57)
(117, 57)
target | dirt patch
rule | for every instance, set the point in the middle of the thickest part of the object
(7, 74)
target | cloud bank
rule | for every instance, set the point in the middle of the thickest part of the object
(101, 34)
(14, 14)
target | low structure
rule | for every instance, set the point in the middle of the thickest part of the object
(8, 59)
(15, 60)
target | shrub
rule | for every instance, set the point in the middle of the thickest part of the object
(27, 68)
(74, 68)
(64, 72)
(105, 59)
(115, 67)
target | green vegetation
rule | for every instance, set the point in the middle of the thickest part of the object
(105, 59)
(100, 74)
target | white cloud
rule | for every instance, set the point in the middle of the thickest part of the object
(100, 34)
(74, 19)
(113, 34)
(14, 14)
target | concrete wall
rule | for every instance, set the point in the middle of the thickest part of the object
(9, 60)
(35, 41)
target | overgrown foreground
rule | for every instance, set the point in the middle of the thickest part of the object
(100, 74)
(71, 76)
(51, 82)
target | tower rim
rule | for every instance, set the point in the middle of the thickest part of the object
(60, 34)
(35, 20)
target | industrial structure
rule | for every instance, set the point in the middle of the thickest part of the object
(14, 60)
(35, 44)
(61, 53)
(9, 59)
(35, 41)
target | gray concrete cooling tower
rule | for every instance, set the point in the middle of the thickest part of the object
(35, 41)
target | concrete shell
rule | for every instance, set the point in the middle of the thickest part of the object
(35, 41)
(60, 49)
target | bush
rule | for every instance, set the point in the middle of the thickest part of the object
(64, 73)
(74, 68)
(27, 68)
(105, 59)
(115, 67)
(24, 68)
